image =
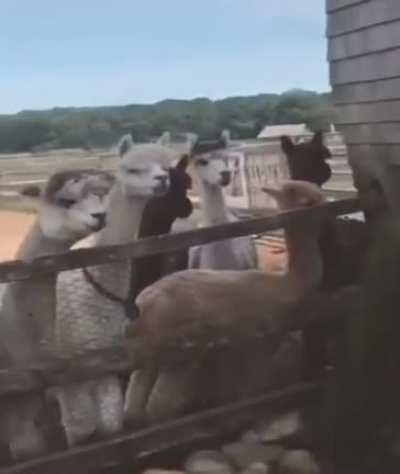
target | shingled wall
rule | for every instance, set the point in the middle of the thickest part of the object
(364, 55)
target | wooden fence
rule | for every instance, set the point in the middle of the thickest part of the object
(56, 369)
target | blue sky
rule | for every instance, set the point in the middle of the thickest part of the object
(104, 52)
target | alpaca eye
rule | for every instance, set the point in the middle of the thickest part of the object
(202, 162)
(133, 171)
(67, 203)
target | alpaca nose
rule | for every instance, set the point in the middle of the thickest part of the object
(163, 182)
(225, 178)
(163, 178)
(101, 218)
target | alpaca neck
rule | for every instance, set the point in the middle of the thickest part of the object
(123, 218)
(228, 254)
(215, 210)
(29, 306)
(304, 261)
(36, 245)
(156, 218)
(123, 224)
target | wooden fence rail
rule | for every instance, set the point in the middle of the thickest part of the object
(17, 270)
(53, 370)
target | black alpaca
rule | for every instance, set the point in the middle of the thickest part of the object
(158, 217)
(307, 160)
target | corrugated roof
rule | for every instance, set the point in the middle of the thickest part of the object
(293, 130)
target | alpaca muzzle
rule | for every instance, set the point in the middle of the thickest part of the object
(162, 186)
(225, 178)
(101, 219)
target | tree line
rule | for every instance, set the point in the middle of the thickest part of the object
(94, 127)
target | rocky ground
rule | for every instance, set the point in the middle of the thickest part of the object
(283, 444)
(261, 450)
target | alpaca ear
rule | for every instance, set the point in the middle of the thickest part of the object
(318, 139)
(165, 139)
(31, 191)
(183, 163)
(191, 140)
(226, 137)
(273, 192)
(125, 144)
(286, 144)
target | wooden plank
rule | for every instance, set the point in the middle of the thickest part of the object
(376, 160)
(136, 447)
(16, 270)
(358, 43)
(366, 163)
(374, 91)
(362, 15)
(366, 68)
(381, 162)
(388, 155)
(371, 133)
(334, 5)
(368, 113)
(60, 369)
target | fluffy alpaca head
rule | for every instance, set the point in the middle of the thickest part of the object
(143, 168)
(307, 160)
(73, 203)
(296, 194)
(212, 167)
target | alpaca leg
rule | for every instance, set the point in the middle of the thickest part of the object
(78, 413)
(194, 260)
(26, 440)
(109, 405)
(172, 393)
(137, 393)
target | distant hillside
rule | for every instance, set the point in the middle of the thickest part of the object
(88, 127)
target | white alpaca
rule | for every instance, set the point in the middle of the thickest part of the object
(224, 303)
(73, 205)
(89, 318)
(213, 174)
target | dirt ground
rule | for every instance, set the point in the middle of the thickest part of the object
(13, 228)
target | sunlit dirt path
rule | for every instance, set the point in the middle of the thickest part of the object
(13, 228)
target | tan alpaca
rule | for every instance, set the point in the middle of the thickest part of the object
(224, 303)
(72, 206)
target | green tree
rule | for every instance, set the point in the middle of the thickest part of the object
(19, 135)
(102, 126)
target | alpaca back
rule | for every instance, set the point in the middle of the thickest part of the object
(86, 319)
(231, 254)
